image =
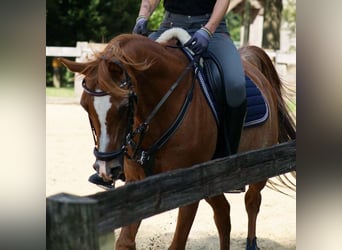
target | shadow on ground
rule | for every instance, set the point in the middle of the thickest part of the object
(161, 242)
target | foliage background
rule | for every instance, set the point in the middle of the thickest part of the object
(69, 21)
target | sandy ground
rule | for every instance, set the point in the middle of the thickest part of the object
(69, 161)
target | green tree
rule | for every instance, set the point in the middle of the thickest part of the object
(156, 17)
(289, 15)
(69, 21)
(272, 24)
(234, 22)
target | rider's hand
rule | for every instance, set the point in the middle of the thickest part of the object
(141, 26)
(198, 43)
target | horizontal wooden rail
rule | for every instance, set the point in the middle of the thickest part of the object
(159, 193)
(74, 222)
(63, 51)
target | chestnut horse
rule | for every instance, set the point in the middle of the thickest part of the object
(144, 102)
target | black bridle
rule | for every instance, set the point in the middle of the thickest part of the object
(139, 155)
(126, 83)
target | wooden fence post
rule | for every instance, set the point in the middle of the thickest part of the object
(83, 47)
(71, 223)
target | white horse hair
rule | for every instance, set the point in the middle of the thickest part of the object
(178, 33)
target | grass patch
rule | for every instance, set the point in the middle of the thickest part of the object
(292, 106)
(60, 92)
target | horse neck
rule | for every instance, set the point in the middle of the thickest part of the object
(152, 85)
(197, 131)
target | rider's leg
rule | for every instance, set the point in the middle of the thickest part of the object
(226, 54)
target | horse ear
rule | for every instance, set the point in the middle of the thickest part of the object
(72, 65)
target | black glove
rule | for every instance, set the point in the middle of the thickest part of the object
(198, 43)
(141, 26)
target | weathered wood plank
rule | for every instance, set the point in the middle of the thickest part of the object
(156, 194)
(71, 223)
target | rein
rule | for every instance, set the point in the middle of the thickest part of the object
(142, 157)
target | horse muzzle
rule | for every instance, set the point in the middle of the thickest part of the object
(109, 165)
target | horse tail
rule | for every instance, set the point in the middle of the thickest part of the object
(286, 123)
(259, 58)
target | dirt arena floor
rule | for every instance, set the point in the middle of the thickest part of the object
(69, 159)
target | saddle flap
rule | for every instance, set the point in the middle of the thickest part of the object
(213, 75)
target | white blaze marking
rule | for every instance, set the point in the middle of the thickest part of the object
(102, 168)
(102, 105)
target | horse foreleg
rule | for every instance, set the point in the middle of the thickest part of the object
(126, 240)
(252, 203)
(221, 210)
(186, 216)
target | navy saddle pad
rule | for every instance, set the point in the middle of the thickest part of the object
(257, 108)
(210, 82)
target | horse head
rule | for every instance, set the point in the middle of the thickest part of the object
(129, 66)
(106, 99)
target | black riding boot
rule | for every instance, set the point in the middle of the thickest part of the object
(233, 125)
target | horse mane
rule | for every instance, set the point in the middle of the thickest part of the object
(120, 49)
(104, 71)
(137, 54)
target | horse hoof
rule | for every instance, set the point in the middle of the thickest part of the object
(252, 246)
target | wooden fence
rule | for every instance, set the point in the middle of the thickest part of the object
(75, 222)
(83, 52)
